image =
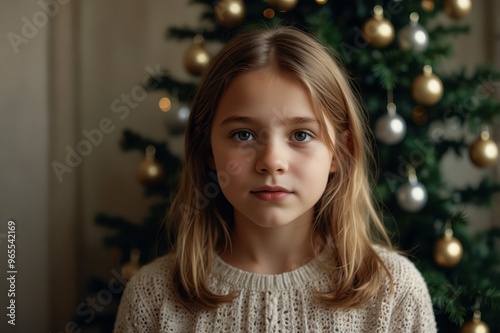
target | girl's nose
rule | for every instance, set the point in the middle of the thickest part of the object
(272, 158)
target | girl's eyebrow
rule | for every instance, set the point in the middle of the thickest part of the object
(283, 120)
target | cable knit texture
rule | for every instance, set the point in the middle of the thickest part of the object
(275, 303)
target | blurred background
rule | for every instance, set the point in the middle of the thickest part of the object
(69, 72)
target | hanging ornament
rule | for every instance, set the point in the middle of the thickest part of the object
(283, 5)
(177, 125)
(411, 196)
(268, 13)
(484, 151)
(447, 249)
(419, 115)
(457, 9)
(196, 57)
(476, 325)
(133, 266)
(413, 36)
(230, 13)
(149, 172)
(378, 31)
(391, 127)
(427, 88)
(178, 113)
(428, 5)
(321, 2)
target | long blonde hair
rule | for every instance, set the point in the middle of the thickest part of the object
(345, 217)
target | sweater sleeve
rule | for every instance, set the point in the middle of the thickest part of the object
(412, 312)
(140, 304)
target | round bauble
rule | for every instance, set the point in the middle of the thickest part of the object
(427, 88)
(177, 123)
(484, 151)
(196, 58)
(150, 172)
(457, 9)
(390, 128)
(230, 13)
(283, 5)
(428, 5)
(476, 325)
(411, 196)
(413, 36)
(378, 31)
(447, 251)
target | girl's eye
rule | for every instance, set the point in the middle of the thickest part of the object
(301, 136)
(243, 136)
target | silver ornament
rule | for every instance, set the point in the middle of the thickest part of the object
(391, 127)
(412, 196)
(413, 36)
(177, 124)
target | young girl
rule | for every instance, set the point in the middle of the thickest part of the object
(277, 230)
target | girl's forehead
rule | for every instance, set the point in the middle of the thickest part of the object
(265, 91)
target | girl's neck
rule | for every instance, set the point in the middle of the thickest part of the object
(266, 250)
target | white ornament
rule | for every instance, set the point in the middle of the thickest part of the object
(391, 127)
(413, 36)
(412, 196)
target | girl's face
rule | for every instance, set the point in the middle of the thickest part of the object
(271, 159)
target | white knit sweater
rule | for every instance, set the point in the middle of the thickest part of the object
(275, 303)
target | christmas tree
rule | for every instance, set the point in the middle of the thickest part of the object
(393, 50)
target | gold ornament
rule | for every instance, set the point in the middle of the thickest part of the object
(196, 57)
(476, 325)
(378, 31)
(268, 13)
(133, 266)
(484, 152)
(419, 115)
(428, 5)
(457, 9)
(230, 13)
(427, 88)
(150, 172)
(283, 5)
(321, 2)
(447, 250)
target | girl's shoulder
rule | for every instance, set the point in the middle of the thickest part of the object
(155, 276)
(398, 265)
(408, 282)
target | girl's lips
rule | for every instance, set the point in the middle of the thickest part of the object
(272, 195)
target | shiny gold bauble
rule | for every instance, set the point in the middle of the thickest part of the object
(447, 251)
(476, 325)
(196, 58)
(428, 5)
(283, 5)
(457, 9)
(150, 172)
(378, 31)
(427, 88)
(484, 151)
(230, 13)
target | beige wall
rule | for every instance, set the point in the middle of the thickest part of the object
(100, 50)
(24, 169)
